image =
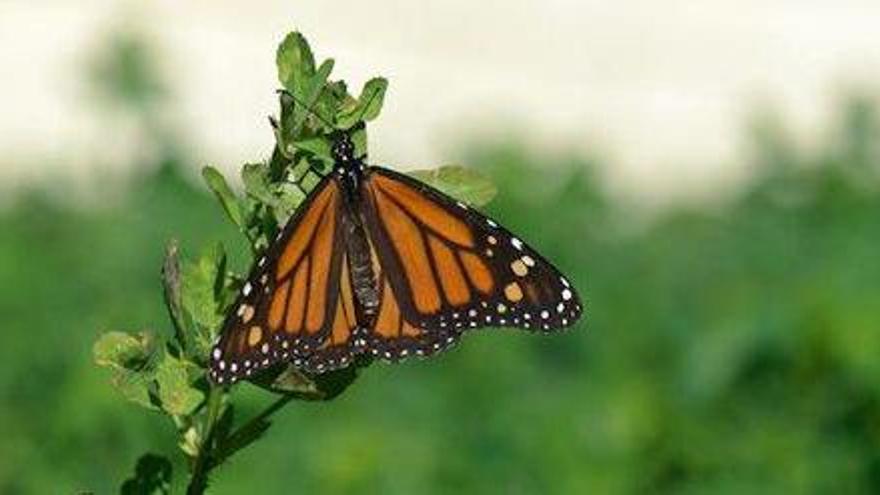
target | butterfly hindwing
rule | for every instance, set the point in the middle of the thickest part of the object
(449, 269)
(288, 306)
(393, 334)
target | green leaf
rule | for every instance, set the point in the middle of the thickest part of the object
(309, 182)
(367, 106)
(256, 183)
(199, 289)
(359, 139)
(334, 97)
(289, 199)
(137, 387)
(291, 381)
(296, 64)
(281, 199)
(320, 79)
(318, 146)
(309, 103)
(279, 162)
(190, 441)
(130, 358)
(176, 395)
(373, 97)
(152, 476)
(288, 380)
(120, 350)
(297, 172)
(284, 137)
(461, 183)
(171, 286)
(218, 185)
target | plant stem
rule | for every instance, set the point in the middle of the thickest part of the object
(202, 466)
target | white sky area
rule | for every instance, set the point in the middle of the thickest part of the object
(662, 90)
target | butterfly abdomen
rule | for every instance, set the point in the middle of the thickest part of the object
(360, 266)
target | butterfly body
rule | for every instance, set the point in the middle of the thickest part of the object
(377, 262)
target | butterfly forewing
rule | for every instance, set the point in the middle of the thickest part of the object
(288, 306)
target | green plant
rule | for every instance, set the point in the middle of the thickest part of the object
(165, 372)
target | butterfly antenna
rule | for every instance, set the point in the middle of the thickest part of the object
(298, 181)
(306, 107)
(360, 119)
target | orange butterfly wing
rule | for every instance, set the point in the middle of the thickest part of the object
(295, 300)
(446, 268)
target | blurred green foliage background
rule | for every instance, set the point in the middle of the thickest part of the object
(727, 348)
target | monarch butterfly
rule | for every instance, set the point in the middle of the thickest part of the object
(375, 262)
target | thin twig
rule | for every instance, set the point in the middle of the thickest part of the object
(203, 463)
